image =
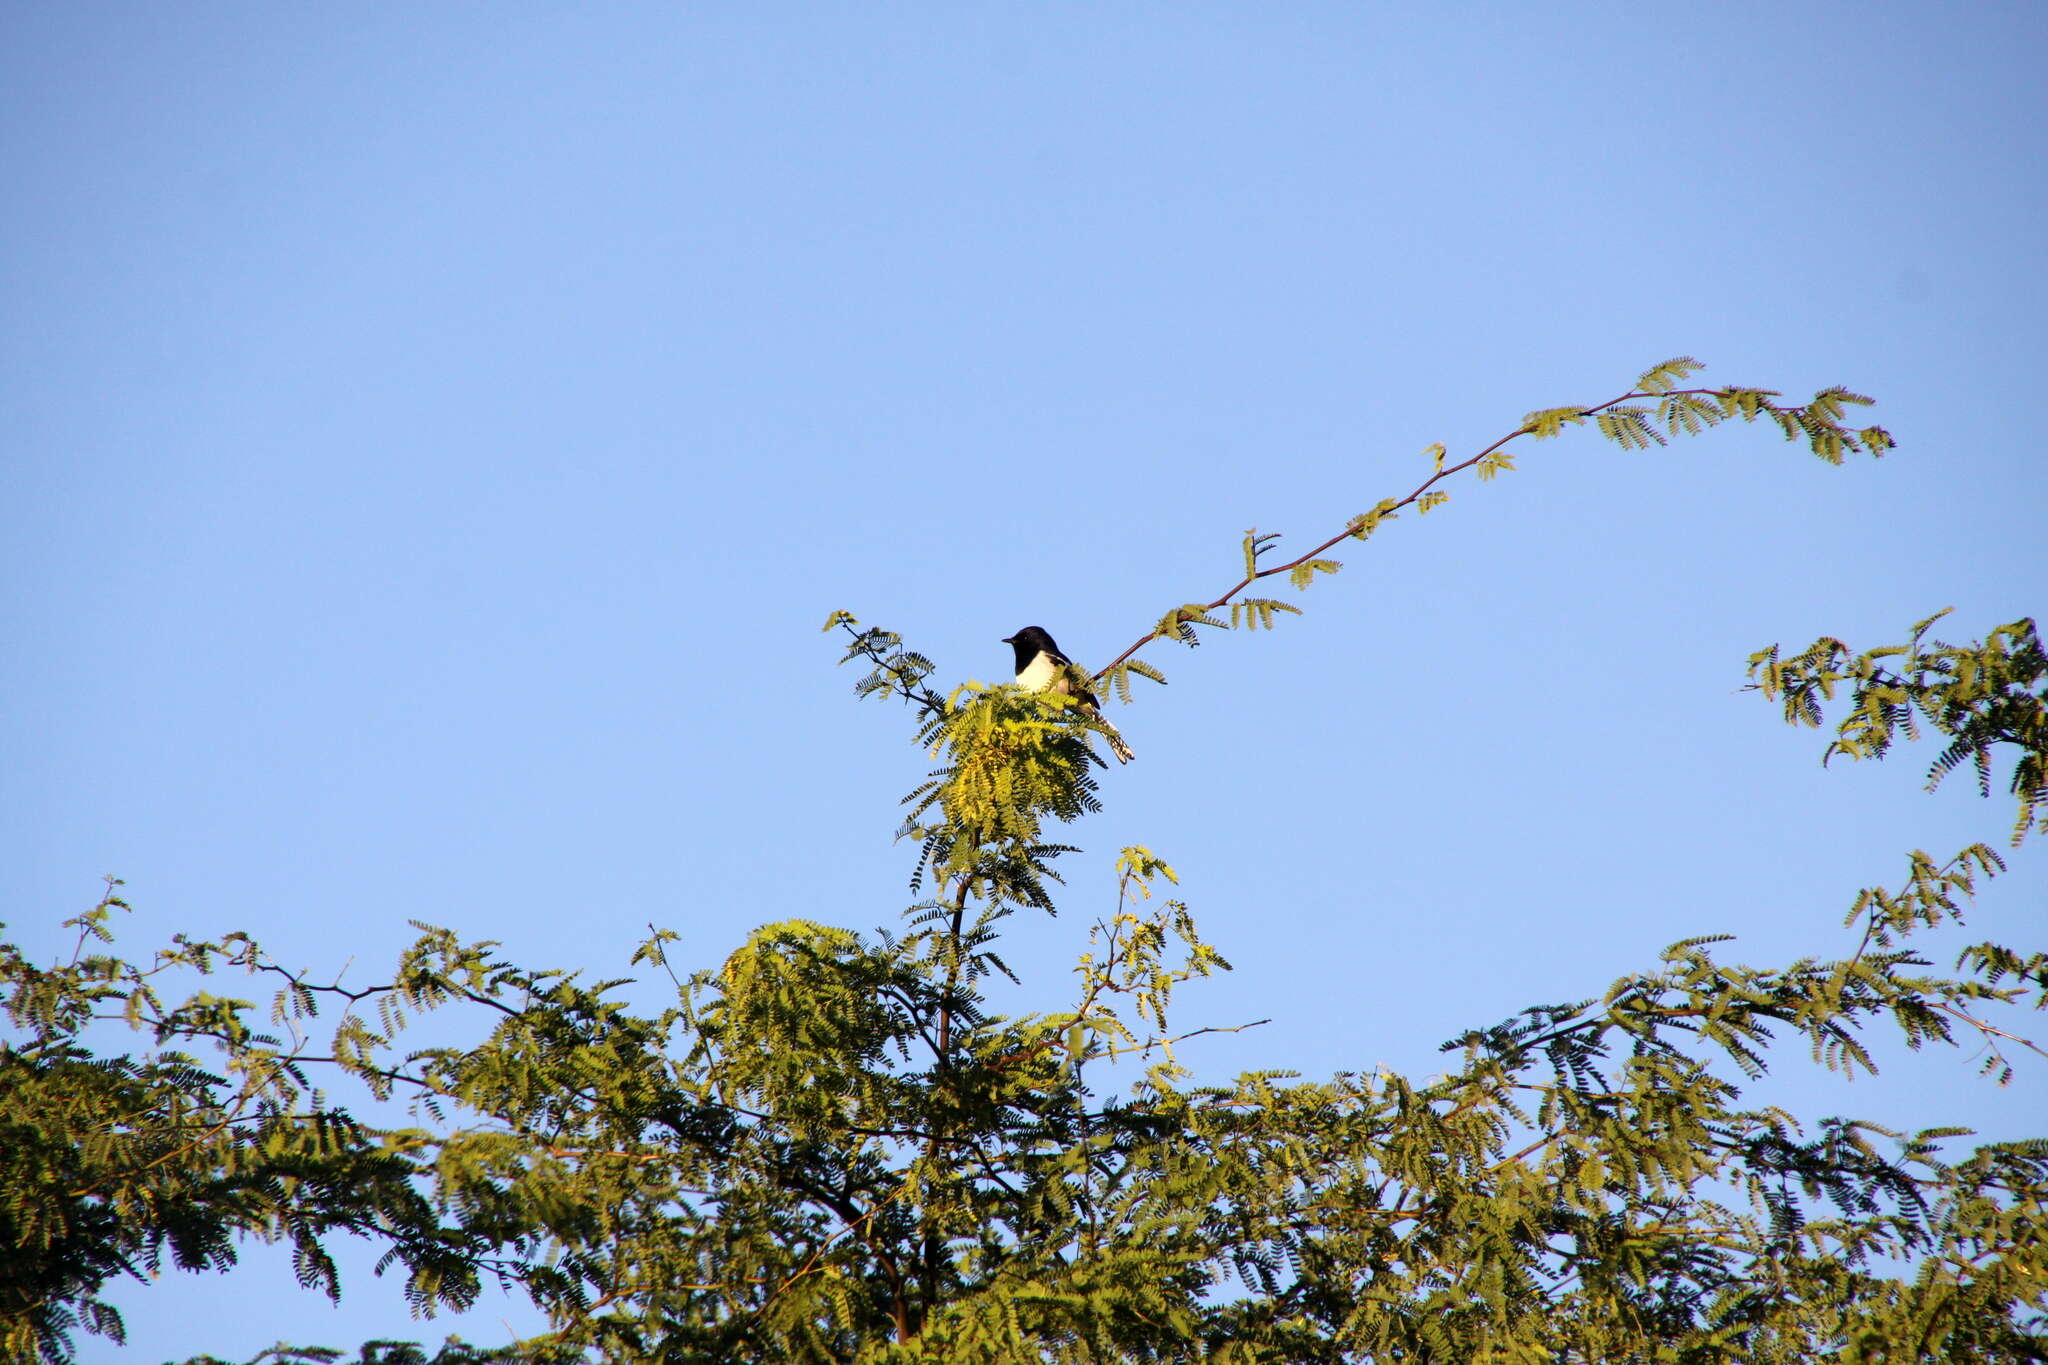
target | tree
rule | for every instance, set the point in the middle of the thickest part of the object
(830, 1148)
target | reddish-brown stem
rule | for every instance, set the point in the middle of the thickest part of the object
(1420, 489)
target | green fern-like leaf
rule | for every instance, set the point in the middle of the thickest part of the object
(1256, 613)
(1630, 428)
(1549, 422)
(1364, 524)
(1120, 677)
(1748, 404)
(1304, 573)
(1256, 544)
(1668, 376)
(1179, 624)
(1688, 413)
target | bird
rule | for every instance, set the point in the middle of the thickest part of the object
(1042, 668)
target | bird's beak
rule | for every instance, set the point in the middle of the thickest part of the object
(1009, 639)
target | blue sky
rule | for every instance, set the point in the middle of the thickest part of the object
(436, 435)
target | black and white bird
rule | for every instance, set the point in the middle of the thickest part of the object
(1042, 668)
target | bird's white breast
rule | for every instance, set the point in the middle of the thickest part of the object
(1040, 674)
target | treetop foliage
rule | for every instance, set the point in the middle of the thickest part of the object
(831, 1147)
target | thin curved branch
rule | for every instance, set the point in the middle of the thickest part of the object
(1389, 508)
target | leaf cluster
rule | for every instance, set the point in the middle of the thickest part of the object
(118, 1165)
(1978, 697)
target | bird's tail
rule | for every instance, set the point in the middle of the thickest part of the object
(1118, 745)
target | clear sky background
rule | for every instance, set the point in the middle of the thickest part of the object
(435, 435)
